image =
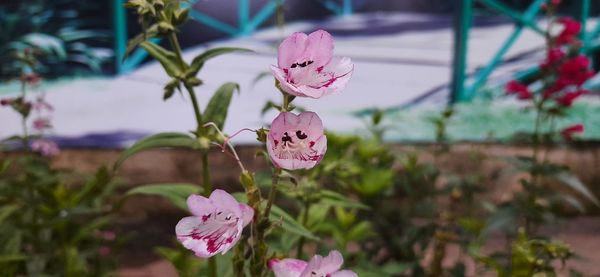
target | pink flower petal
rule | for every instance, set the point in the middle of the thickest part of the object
(324, 265)
(291, 49)
(206, 238)
(223, 201)
(319, 48)
(247, 214)
(287, 267)
(199, 205)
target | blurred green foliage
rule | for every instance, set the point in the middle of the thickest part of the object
(54, 223)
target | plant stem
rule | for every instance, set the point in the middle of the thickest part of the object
(212, 267)
(206, 184)
(197, 111)
(176, 47)
(24, 118)
(273, 191)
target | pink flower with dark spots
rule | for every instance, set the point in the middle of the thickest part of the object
(216, 224)
(522, 92)
(296, 141)
(306, 66)
(45, 147)
(567, 133)
(571, 29)
(318, 266)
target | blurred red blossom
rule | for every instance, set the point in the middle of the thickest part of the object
(567, 133)
(571, 29)
(515, 87)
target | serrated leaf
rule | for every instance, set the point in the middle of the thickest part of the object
(167, 59)
(162, 140)
(216, 110)
(176, 193)
(198, 61)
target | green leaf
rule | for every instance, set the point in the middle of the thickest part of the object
(162, 140)
(216, 110)
(167, 58)
(49, 44)
(151, 32)
(573, 182)
(176, 193)
(170, 88)
(338, 200)
(199, 60)
(12, 258)
(6, 211)
(289, 224)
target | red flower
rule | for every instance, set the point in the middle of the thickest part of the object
(514, 87)
(567, 133)
(571, 29)
(567, 99)
(553, 56)
(575, 71)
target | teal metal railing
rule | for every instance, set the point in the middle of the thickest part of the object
(463, 89)
(247, 24)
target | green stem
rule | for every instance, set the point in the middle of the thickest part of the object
(197, 111)
(212, 267)
(206, 184)
(24, 118)
(176, 47)
(272, 192)
(287, 100)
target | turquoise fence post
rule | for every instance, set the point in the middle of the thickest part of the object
(480, 78)
(462, 24)
(120, 34)
(585, 13)
(244, 16)
(347, 7)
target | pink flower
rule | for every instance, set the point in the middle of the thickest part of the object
(45, 147)
(514, 87)
(40, 105)
(296, 141)
(216, 224)
(306, 66)
(567, 133)
(41, 124)
(571, 29)
(318, 266)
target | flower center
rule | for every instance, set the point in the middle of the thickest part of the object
(295, 145)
